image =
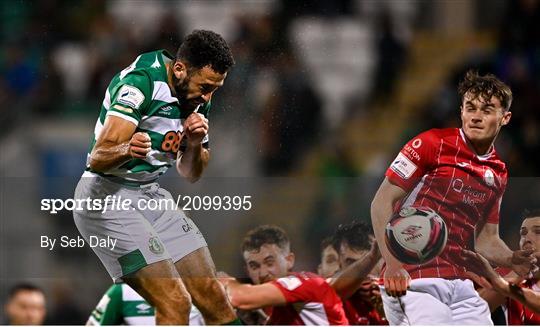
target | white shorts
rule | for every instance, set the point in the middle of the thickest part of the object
(142, 236)
(437, 301)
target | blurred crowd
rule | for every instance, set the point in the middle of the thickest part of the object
(58, 57)
(516, 60)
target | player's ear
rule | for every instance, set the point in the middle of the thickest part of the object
(506, 118)
(179, 70)
(290, 260)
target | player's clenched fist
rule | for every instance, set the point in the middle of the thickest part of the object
(195, 128)
(396, 281)
(139, 145)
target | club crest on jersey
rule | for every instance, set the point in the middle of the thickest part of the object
(130, 96)
(489, 177)
(155, 245)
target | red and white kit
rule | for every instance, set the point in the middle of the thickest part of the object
(517, 313)
(310, 301)
(440, 170)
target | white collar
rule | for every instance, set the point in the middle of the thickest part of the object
(481, 157)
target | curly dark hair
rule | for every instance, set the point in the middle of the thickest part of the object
(265, 234)
(205, 48)
(486, 86)
(355, 234)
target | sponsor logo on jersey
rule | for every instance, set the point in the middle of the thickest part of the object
(457, 185)
(403, 166)
(417, 143)
(130, 96)
(411, 153)
(143, 308)
(154, 244)
(166, 110)
(290, 282)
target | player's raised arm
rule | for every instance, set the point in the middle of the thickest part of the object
(482, 267)
(192, 162)
(250, 297)
(396, 279)
(118, 143)
(490, 245)
(348, 281)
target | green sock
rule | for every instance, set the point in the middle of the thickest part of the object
(236, 321)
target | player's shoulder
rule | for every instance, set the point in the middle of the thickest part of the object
(115, 291)
(296, 279)
(439, 134)
(147, 67)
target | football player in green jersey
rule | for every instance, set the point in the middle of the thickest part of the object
(155, 115)
(121, 305)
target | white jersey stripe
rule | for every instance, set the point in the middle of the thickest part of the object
(158, 158)
(107, 100)
(141, 176)
(313, 314)
(126, 117)
(162, 92)
(160, 125)
(129, 294)
(97, 129)
(411, 198)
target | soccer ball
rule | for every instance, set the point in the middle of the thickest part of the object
(416, 235)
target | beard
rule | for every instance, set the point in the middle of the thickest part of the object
(181, 89)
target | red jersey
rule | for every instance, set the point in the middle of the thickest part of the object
(518, 314)
(440, 170)
(310, 301)
(361, 312)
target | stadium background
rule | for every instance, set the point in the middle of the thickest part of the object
(321, 99)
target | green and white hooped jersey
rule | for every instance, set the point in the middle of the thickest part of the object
(141, 95)
(121, 305)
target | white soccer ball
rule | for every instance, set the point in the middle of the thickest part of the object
(416, 235)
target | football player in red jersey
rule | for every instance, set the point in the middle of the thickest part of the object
(329, 265)
(295, 298)
(457, 173)
(356, 283)
(520, 296)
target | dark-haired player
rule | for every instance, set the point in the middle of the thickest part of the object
(155, 116)
(295, 298)
(329, 265)
(356, 283)
(457, 173)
